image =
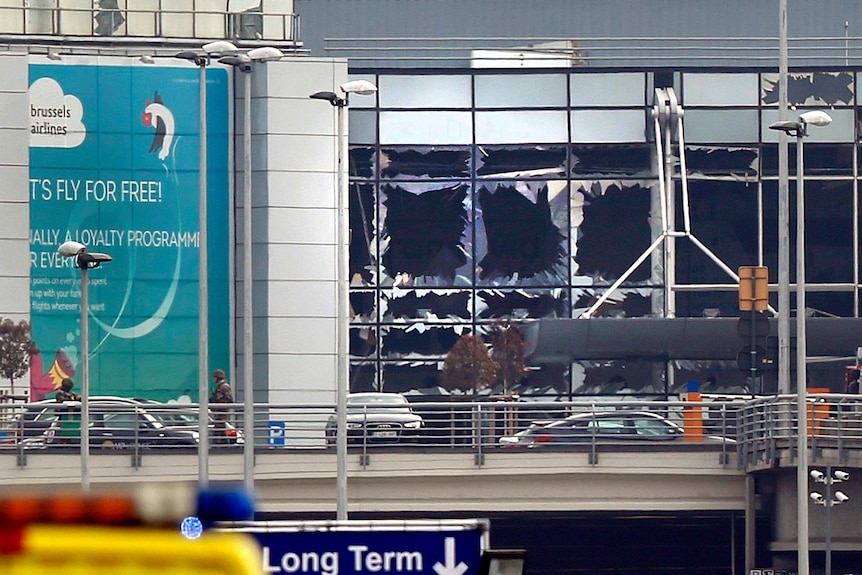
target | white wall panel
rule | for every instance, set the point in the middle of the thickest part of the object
(301, 335)
(301, 226)
(306, 378)
(302, 299)
(302, 262)
(16, 297)
(294, 152)
(317, 75)
(299, 189)
(16, 222)
(15, 183)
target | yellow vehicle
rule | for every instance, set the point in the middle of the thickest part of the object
(84, 535)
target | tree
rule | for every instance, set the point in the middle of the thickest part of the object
(468, 365)
(15, 345)
(507, 350)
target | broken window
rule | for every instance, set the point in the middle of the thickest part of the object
(810, 88)
(362, 238)
(521, 233)
(426, 305)
(363, 341)
(419, 340)
(820, 159)
(521, 303)
(721, 161)
(422, 241)
(424, 163)
(633, 160)
(613, 232)
(520, 161)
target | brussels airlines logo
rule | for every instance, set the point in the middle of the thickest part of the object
(157, 115)
(55, 117)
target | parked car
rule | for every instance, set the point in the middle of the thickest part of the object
(377, 417)
(617, 426)
(114, 423)
(186, 418)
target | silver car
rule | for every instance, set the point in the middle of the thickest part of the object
(377, 417)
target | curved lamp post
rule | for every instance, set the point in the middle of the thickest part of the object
(84, 260)
(361, 87)
(799, 129)
(244, 63)
(202, 60)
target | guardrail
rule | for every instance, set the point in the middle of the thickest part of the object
(60, 18)
(768, 428)
(130, 426)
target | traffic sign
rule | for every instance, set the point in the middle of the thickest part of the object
(364, 550)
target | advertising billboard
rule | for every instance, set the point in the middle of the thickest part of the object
(114, 165)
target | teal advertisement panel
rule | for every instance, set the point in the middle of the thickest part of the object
(114, 165)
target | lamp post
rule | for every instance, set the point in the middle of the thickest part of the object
(202, 61)
(799, 128)
(84, 260)
(361, 87)
(828, 501)
(244, 63)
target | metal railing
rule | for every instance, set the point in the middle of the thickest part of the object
(165, 20)
(768, 429)
(479, 427)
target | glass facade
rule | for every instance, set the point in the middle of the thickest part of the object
(485, 195)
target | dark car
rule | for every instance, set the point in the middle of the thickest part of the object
(114, 423)
(175, 416)
(377, 417)
(617, 426)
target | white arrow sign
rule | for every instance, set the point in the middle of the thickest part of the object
(450, 568)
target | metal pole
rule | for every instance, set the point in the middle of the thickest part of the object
(85, 377)
(341, 321)
(828, 519)
(783, 217)
(203, 311)
(801, 371)
(247, 318)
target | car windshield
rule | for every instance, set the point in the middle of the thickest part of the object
(379, 403)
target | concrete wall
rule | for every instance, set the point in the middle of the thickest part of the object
(14, 189)
(294, 164)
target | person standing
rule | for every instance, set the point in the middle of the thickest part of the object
(221, 394)
(65, 392)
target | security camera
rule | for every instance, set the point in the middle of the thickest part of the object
(816, 497)
(841, 497)
(842, 475)
(71, 249)
(817, 475)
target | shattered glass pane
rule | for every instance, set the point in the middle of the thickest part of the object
(721, 161)
(521, 233)
(424, 163)
(520, 161)
(363, 341)
(362, 306)
(363, 376)
(419, 340)
(612, 226)
(634, 160)
(361, 162)
(521, 303)
(415, 378)
(437, 305)
(810, 89)
(363, 269)
(423, 235)
(820, 159)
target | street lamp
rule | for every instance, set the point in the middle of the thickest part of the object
(219, 47)
(828, 501)
(799, 129)
(243, 62)
(361, 87)
(84, 260)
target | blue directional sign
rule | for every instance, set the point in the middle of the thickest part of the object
(371, 551)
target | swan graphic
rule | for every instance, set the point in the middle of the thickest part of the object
(157, 115)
